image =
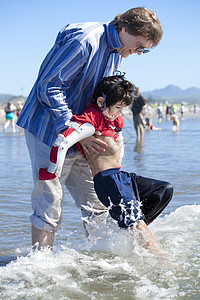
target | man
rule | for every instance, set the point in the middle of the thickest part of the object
(82, 55)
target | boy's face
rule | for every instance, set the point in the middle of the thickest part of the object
(114, 111)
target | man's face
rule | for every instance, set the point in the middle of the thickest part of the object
(131, 43)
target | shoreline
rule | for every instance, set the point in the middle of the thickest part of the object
(127, 115)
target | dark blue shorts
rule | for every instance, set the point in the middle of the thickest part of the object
(131, 198)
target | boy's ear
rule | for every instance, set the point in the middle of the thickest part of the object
(100, 102)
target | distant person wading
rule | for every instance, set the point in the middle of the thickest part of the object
(138, 117)
(10, 115)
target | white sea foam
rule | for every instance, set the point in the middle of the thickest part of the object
(113, 264)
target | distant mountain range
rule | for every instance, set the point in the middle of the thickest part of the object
(174, 93)
(171, 93)
(4, 98)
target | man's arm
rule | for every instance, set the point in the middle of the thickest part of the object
(93, 144)
(55, 77)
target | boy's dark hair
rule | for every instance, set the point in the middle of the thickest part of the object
(114, 89)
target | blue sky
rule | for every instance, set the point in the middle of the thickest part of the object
(28, 30)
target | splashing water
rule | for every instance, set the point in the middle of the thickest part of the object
(112, 266)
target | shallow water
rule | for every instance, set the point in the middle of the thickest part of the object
(111, 265)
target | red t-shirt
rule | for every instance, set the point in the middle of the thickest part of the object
(93, 115)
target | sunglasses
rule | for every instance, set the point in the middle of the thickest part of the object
(143, 50)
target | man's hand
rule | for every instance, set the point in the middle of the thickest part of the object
(93, 144)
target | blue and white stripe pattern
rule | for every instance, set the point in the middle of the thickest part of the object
(81, 56)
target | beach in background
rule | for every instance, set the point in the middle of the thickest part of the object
(128, 114)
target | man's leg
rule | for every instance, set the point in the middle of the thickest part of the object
(81, 187)
(46, 196)
(42, 237)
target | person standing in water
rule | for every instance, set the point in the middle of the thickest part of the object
(10, 116)
(138, 115)
(82, 55)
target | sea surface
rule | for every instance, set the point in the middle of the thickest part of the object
(110, 265)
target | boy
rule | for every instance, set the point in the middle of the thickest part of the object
(130, 199)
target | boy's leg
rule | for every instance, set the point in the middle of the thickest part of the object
(117, 191)
(147, 238)
(154, 196)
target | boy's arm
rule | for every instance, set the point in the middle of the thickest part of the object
(92, 144)
(64, 141)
